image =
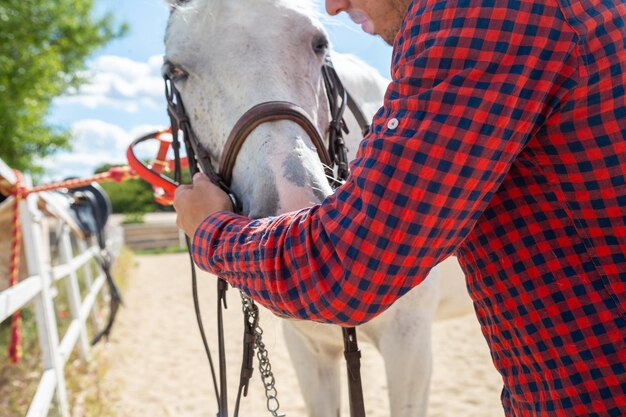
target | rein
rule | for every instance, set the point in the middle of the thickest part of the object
(198, 159)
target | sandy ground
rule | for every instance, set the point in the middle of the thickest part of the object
(157, 366)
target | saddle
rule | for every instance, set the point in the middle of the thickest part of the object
(90, 207)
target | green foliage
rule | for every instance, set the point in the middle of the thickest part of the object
(133, 218)
(43, 47)
(131, 196)
(161, 251)
(18, 382)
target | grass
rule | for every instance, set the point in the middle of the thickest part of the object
(122, 267)
(133, 218)
(18, 382)
(161, 251)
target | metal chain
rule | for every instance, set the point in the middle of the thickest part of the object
(251, 312)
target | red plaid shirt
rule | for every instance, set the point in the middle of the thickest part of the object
(510, 151)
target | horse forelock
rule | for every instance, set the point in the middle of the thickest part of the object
(201, 12)
(308, 7)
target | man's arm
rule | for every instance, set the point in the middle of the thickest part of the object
(471, 84)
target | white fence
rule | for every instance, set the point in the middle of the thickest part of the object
(38, 288)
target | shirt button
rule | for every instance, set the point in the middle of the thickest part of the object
(392, 123)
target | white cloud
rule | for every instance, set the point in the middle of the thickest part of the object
(120, 83)
(114, 82)
(97, 143)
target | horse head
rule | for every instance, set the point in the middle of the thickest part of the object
(226, 57)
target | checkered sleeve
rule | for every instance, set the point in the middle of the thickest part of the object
(472, 82)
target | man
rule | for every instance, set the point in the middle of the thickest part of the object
(502, 138)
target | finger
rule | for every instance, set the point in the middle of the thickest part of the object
(200, 177)
(182, 188)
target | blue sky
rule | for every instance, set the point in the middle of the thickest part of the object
(124, 96)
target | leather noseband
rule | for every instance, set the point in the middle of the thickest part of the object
(270, 111)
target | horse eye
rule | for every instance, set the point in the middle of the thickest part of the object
(320, 44)
(174, 72)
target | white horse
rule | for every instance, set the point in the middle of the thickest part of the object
(225, 57)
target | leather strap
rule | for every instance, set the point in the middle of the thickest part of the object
(270, 111)
(198, 157)
(352, 354)
(338, 99)
(222, 287)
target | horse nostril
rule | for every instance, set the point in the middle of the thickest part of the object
(320, 44)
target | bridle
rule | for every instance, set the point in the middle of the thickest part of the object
(264, 113)
(198, 159)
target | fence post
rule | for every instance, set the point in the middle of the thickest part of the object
(44, 308)
(73, 291)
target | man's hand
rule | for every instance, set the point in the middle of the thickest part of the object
(193, 203)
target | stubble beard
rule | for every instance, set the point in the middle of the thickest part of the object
(400, 8)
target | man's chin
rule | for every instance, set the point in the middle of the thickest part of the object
(388, 38)
(390, 35)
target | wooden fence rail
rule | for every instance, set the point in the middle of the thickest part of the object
(153, 236)
(38, 289)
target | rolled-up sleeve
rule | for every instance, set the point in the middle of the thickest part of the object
(472, 82)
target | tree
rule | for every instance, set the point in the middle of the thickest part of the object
(43, 47)
(132, 195)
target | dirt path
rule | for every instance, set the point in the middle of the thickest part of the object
(157, 365)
